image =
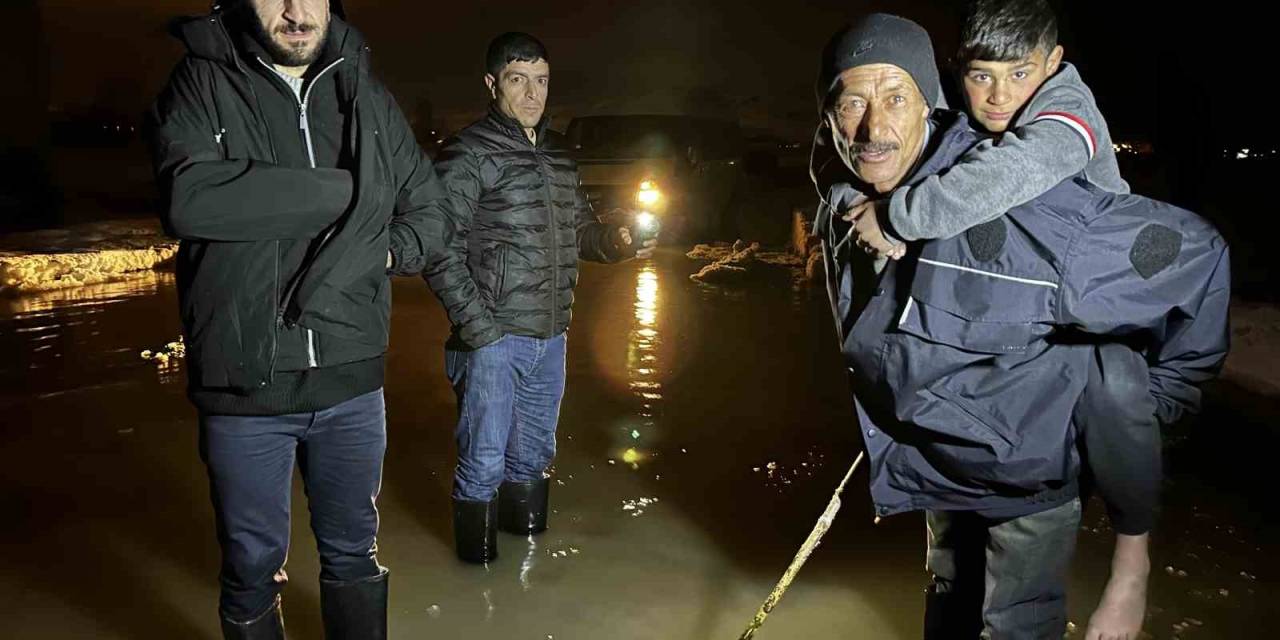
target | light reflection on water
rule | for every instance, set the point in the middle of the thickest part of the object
(90, 297)
(643, 342)
(66, 338)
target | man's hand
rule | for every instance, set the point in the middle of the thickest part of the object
(646, 250)
(867, 232)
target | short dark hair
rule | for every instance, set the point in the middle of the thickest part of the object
(1007, 30)
(511, 47)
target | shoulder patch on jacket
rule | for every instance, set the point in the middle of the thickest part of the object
(987, 240)
(1156, 247)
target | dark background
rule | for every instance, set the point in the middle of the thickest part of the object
(1188, 81)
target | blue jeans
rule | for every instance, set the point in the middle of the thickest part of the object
(508, 404)
(1002, 579)
(250, 462)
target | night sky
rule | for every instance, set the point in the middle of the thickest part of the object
(1159, 73)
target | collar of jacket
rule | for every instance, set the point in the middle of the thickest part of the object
(513, 128)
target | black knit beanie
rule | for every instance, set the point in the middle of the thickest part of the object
(881, 38)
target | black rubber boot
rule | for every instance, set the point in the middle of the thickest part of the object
(268, 626)
(522, 506)
(475, 530)
(355, 610)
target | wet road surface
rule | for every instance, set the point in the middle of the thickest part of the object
(701, 435)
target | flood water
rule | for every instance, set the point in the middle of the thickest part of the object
(702, 433)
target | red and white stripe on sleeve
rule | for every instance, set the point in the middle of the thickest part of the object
(1076, 123)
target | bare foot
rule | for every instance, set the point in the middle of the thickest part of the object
(1123, 606)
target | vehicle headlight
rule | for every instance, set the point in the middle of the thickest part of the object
(649, 194)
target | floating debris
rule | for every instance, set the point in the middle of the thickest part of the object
(635, 435)
(434, 611)
(636, 506)
(612, 461)
(176, 350)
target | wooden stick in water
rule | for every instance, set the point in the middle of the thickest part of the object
(806, 549)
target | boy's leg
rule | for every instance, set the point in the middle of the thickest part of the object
(1121, 442)
(1026, 582)
(1121, 438)
(1122, 609)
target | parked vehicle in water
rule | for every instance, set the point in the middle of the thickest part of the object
(684, 172)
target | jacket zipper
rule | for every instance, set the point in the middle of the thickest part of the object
(313, 357)
(555, 242)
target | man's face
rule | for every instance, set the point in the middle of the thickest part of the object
(293, 31)
(997, 91)
(521, 90)
(878, 123)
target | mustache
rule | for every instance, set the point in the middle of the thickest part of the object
(297, 29)
(873, 147)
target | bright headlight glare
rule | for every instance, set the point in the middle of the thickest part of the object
(649, 197)
(648, 194)
(645, 220)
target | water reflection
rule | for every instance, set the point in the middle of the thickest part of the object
(643, 379)
(48, 303)
(70, 338)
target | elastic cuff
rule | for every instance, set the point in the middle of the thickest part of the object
(885, 217)
(1131, 524)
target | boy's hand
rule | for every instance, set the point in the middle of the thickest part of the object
(868, 234)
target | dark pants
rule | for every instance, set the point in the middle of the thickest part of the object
(509, 396)
(999, 579)
(250, 461)
(1120, 438)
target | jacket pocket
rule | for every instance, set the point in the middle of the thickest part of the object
(978, 423)
(996, 336)
(492, 275)
(500, 287)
